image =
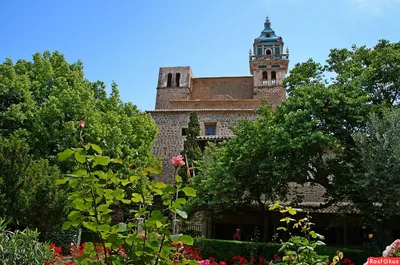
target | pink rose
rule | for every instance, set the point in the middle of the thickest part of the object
(177, 161)
(81, 124)
(143, 235)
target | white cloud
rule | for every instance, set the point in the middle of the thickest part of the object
(375, 7)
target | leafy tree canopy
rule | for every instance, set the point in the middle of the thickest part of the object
(41, 104)
(309, 138)
(47, 97)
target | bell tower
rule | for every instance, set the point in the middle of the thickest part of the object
(268, 64)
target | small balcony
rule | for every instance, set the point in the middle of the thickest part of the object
(269, 57)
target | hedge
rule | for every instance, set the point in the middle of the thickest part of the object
(225, 250)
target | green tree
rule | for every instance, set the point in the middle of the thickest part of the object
(191, 149)
(28, 191)
(309, 138)
(243, 170)
(47, 98)
(377, 179)
(41, 104)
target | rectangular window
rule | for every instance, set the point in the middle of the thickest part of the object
(259, 50)
(265, 82)
(184, 131)
(211, 129)
(277, 50)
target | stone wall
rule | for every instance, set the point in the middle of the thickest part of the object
(210, 88)
(216, 104)
(275, 95)
(166, 94)
(170, 140)
(176, 89)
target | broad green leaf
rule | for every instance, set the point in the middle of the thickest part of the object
(121, 227)
(275, 205)
(291, 210)
(116, 160)
(125, 182)
(181, 201)
(137, 197)
(78, 204)
(158, 191)
(156, 215)
(187, 240)
(61, 181)
(160, 185)
(101, 160)
(129, 240)
(90, 225)
(97, 149)
(178, 179)
(66, 225)
(190, 192)
(64, 155)
(80, 158)
(103, 228)
(102, 207)
(74, 215)
(183, 214)
(133, 178)
(156, 170)
(166, 202)
(80, 172)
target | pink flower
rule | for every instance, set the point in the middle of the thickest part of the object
(177, 161)
(222, 263)
(81, 124)
(143, 235)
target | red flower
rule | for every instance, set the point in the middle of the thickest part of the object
(81, 124)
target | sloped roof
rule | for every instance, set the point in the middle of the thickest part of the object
(268, 34)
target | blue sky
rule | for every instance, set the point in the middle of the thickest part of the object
(128, 40)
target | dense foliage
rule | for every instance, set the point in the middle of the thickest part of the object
(41, 102)
(227, 249)
(377, 178)
(96, 190)
(309, 138)
(22, 247)
(191, 150)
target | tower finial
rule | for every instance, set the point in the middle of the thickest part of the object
(267, 22)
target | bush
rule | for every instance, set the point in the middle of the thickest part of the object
(227, 249)
(22, 247)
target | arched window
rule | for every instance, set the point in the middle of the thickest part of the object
(169, 80)
(177, 79)
(273, 77)
(265, 79)
(268, 52)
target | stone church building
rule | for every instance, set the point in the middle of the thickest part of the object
(220, 103)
